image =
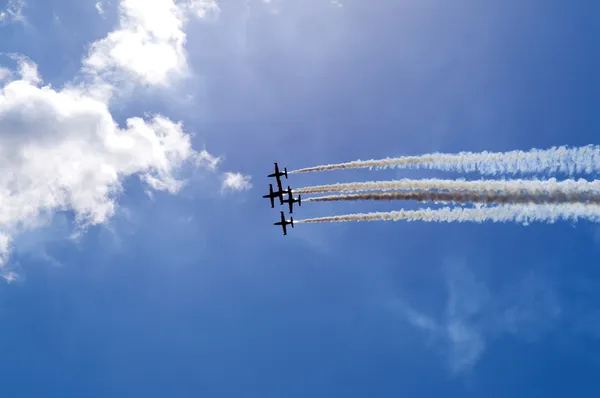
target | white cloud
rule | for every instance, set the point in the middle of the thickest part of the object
(207, 160)
(27, 69)
(203, 8)
(149, 42)
(472, 315)
(5, 243)
(236, 182)
(13, 12)
(5, 73)
(10, 276)
(100, 8)
(62, 150)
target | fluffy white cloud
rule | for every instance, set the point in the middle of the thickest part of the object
(62, 150)
(236, 182)
(149, 42)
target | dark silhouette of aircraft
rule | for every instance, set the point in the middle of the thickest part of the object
(278, 175)
(284, 222)
(290, 200)
(272, 195)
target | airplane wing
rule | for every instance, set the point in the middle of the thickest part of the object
(276, 174)
(270, 195)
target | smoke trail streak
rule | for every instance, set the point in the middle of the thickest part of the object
(463, 197)
(562, 159)
(533, 187)
(503, 213)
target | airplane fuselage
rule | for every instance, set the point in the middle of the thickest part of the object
(290, 200)
(283, 223)
(272, 195)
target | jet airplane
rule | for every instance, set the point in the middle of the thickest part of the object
(278, 175)
(290, 200)
(272, 195)
(284, 222)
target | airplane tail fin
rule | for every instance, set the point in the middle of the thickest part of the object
(299, 201)
(292, 221)
(285, 171)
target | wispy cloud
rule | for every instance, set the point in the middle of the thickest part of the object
(207, 160)
(474, 314)
(13, 12)
(100, 8)
(203, 8)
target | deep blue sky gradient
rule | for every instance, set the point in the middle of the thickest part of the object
(199, 295)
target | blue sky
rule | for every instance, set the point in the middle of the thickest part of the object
(190, 291)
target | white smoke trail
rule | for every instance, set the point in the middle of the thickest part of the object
(562, 159)
(462, 197)
(532, 187)
(524, 214)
